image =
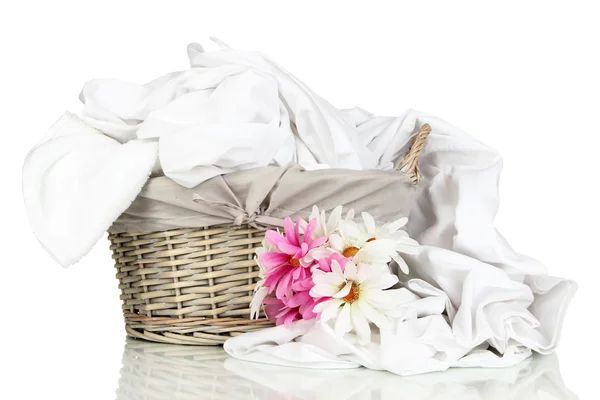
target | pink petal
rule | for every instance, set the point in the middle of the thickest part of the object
(274, 276)
(310, 229)
(297, 231)
(298, 299)
(288, 248)
(291, 317)
(290, 234)
(318, 242)
(304, 248)
(271, 259)
(284, 287)
(274, 237)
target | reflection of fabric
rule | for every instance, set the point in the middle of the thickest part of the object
(535, 378)
(264, 196)
(156, 371)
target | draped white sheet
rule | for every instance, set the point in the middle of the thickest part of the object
(476, 302)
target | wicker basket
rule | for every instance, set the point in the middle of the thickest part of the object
(194, 286)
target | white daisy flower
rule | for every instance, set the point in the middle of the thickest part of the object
(368, 243)
(358, 297)
(327, 227)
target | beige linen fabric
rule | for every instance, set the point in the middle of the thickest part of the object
(263, 197)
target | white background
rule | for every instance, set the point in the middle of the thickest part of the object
(523, 77)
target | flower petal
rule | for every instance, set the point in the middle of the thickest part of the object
(408, 248)
(288, 248)
(379, 280)
(310, 229)
(341, 293)
(350, 271)
(328, 309)
(361, 325)
(369, 222)
(336, 268)
(290, 234)
(401, 263)
(336, 242)
(271, 259)
(328, 279)
(324, 290)
(334, 219)
(274, 237)
(350, 232)
(320, 241)
(397, 224)
(343, 324)
(257, 301)
(350, 215)
(373, 315)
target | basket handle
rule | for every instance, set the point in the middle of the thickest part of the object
(408, 164)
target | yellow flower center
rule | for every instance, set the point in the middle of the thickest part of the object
(353, 295)
(295, 262)
(350, 252)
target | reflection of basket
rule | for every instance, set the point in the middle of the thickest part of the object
(152, 371)
(194, 286)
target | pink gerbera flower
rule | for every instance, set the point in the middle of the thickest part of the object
(291, 264)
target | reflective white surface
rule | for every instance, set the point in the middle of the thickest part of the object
(155, 371)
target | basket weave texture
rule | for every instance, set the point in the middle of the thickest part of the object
(188, 286)
(194, 286)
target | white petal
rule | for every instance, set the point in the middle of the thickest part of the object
(350, 271)
(336, 268)
(314, 214)
(408, 248)
(350, 231)
(350, 215)
(328, 309)
(325, 290)
(373, 315)
(336, 242)
(257, 300)
(343, 324)
(389, 299)
(343, 292)
(361, 325)
(368, 255)
(401, 263)
(382, 281)
(320, 253)
(363, 273)
(369, 222)
(334, 219)
(330, 278)
(397, 224)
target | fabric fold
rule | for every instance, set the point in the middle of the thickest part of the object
(264, 197)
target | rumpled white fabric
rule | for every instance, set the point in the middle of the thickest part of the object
(473, 301)
(77, 181)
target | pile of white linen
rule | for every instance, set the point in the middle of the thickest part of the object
(476, 302)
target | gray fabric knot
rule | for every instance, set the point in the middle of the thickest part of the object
(240, 216)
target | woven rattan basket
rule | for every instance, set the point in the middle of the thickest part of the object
(194, 286)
